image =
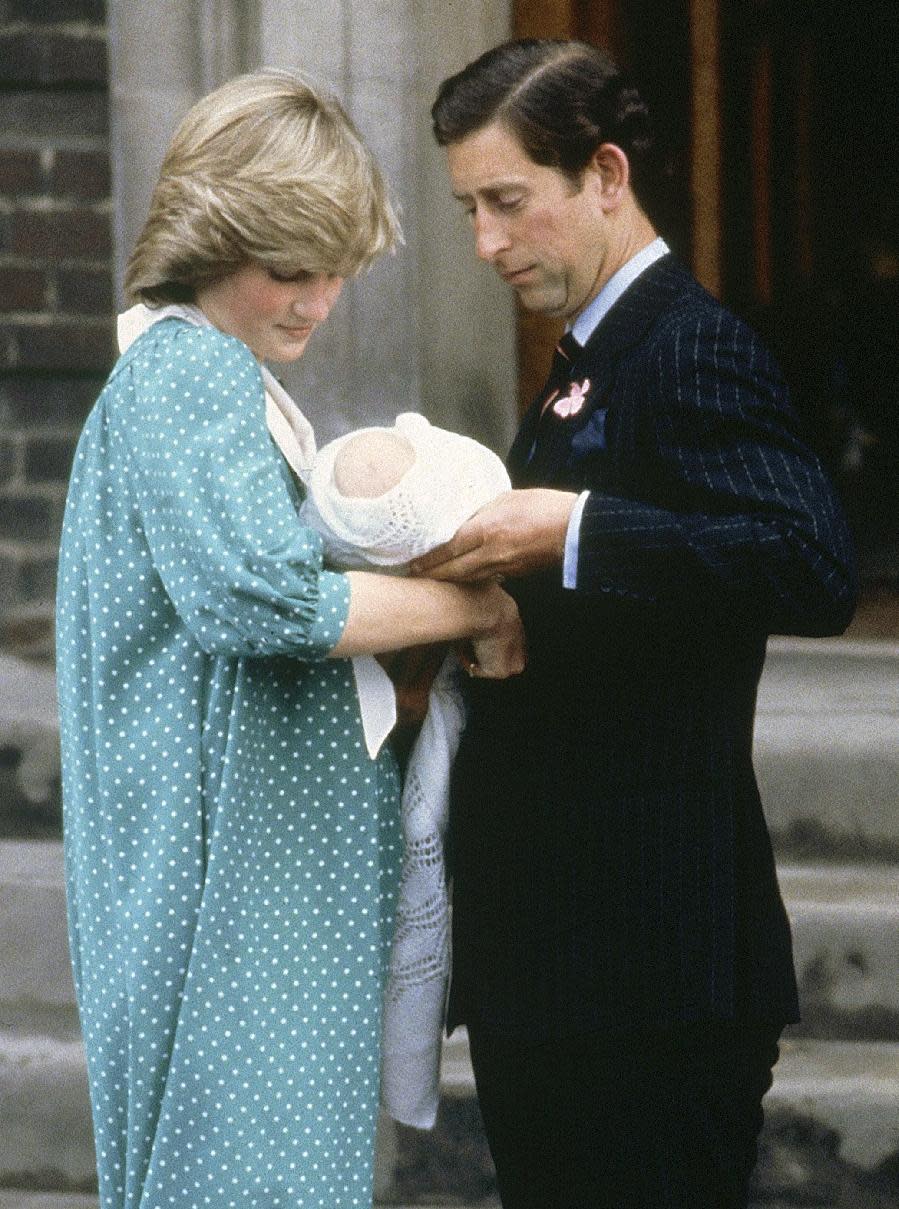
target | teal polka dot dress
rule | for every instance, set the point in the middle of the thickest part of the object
(232, 853)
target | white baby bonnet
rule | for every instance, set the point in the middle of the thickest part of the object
(451, 478)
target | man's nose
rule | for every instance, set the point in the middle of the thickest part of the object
(322, 297)
(490, 237)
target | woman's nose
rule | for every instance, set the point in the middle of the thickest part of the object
(324, 293)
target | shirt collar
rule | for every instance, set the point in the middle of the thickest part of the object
(588, 320)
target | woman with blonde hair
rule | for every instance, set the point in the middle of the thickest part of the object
(232, 831)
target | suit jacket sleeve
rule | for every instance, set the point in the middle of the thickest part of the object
(731, 510)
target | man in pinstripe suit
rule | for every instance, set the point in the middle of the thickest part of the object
(622, 958)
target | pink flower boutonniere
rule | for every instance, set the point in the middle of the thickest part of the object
(571, 404)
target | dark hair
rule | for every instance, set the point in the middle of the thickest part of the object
(560, 99)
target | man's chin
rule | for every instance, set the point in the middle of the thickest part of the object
(541, 302)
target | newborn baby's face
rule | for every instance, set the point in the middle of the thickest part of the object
(372, 463)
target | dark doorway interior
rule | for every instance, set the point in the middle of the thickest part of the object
(811, 232)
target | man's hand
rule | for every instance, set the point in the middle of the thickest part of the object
(519, 533)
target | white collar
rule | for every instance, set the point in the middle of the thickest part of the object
(589, 319)
(290, 429)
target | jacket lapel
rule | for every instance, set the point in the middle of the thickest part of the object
(553, 437)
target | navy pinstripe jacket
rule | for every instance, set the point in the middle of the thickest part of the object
(611, 862)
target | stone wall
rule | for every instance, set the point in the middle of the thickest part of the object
(56, 340)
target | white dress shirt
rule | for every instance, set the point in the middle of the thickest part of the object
(582, 329)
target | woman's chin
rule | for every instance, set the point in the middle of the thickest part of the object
(285, 351)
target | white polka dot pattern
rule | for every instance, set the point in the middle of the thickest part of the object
(232, 853)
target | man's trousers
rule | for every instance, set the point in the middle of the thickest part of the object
(638, 1120)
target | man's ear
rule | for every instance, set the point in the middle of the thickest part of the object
(612, 174)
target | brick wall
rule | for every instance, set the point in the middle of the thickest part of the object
(56, 331)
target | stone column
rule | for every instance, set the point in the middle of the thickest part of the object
(163, 55)
(428, 329)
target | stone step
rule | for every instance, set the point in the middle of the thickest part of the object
(29, 746)
(827, 747)
(11, 1198)
(831, 1131)
(826, 1080)
(46, 1139)
(845, 932)
(845, 922)
(34, 959)
(832, 1122)
(850, 1088)
(14, 1198)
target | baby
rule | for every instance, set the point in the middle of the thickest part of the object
(380, 497)
(372, 463)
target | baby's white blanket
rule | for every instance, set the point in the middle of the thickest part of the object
(451, 478)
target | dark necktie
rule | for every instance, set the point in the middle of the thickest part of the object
(560, 370)
(565, 355)
(522, 451)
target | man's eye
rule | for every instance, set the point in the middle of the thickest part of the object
(510, 202)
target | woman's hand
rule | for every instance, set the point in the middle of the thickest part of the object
(501, 651)
(390, 613)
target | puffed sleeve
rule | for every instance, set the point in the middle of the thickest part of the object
(739, 514)
(244, 575)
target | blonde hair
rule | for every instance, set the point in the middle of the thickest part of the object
(265, 169)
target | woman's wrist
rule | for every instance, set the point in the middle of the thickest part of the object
(388, 613)
(495, 606)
